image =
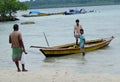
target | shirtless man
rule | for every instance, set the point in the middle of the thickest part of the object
(77, 28)
(15, 39)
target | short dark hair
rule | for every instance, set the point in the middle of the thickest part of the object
(81, 30)
(77, 20)
(15, 27)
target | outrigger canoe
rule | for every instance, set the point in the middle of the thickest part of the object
(71, 48)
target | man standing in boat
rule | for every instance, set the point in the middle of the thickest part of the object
(77, 29)
(18, 48)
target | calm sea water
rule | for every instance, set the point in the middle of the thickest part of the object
(105, 22)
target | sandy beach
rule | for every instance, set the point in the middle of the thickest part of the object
(51, 75)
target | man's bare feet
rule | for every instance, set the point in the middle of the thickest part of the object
(19, 70)
(24, 70)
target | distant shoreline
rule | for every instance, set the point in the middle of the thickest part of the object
(41, 6)
(9, 19)
(72, 6)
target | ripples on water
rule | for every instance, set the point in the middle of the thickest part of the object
(59, 30)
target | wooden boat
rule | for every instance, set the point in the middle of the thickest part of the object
(42, 14)
(71, 48)
(35, 15)
(28, 22)
(74, 11)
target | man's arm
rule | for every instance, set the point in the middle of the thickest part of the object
(21, 43)
(9, 39)
(74, 29)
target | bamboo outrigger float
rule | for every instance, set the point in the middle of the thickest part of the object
(71, 48)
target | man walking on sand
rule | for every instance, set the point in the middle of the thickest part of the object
(15, 39)
(77, 28)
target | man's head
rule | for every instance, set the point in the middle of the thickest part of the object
(77, 20)
(16, 27)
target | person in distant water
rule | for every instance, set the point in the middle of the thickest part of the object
(77, 28)
(82, 42)
(15, 39)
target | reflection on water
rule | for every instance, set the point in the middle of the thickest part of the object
(72, 59)
(50, 60)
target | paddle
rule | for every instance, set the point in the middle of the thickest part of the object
(40, 46)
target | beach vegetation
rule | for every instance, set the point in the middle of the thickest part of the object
(8, 8)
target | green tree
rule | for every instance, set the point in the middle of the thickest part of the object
(9, 7)
(2, 10)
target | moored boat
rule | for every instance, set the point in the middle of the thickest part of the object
(37, 14)
(28, 22)
(71, 48)
(75, 11)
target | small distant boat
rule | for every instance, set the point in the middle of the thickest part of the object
(71, 48)
(37, 14)
(34, 14)
(28, 22)
(72, 11)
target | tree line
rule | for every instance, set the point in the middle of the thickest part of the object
(69, 3)
(9, 7)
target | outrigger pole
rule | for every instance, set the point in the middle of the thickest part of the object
(46, 39)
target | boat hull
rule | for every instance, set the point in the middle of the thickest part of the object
(65, 50)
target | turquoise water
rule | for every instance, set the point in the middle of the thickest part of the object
(105, 22)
